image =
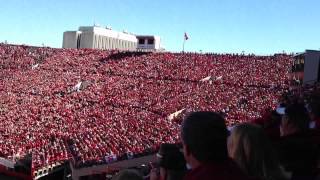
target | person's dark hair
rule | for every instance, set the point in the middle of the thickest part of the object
(315, 108)
(205, 136)
(170, 157)
(298, 116)
(172, 160)
(128, 174)
(175, 175)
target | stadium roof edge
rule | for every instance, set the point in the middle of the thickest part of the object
(307, 50)
(299, 54)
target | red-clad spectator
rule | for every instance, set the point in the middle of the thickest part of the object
(97, 106)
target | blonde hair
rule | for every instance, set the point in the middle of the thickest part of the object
(250, 148)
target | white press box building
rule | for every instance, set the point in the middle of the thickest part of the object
(97, 37)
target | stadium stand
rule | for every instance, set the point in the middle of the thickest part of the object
(96, 107)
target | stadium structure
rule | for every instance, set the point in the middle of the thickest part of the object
(102, 104)
(306, 67)
(97, 37)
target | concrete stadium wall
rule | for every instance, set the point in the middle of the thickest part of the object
(105, 38)
(70, 39)
(156, 42)
(105, 42)
(86, 40)
(311, 66)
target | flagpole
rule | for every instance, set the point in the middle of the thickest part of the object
(185, 37)
(184, 41)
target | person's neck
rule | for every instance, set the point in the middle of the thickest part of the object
(291, 131)
(194, 163)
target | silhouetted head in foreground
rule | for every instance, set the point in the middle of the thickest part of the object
(204, 137)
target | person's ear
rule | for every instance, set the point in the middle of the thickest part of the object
(230, 146)
(186, 151)
(284, 126)
(282, 132)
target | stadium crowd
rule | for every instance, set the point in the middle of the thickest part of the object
(97, 106)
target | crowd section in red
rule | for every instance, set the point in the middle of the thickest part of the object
(122, 107)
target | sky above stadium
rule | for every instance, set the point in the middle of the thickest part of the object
(223, 26)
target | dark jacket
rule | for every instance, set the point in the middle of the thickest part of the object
(227, 170)
(298, 154)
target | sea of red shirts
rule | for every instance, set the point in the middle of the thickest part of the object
(124, 107)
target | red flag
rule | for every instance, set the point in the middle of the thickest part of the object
(186, 37)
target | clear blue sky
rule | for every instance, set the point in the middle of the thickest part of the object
(253, 26)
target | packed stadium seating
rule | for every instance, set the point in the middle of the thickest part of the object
(96, 107)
